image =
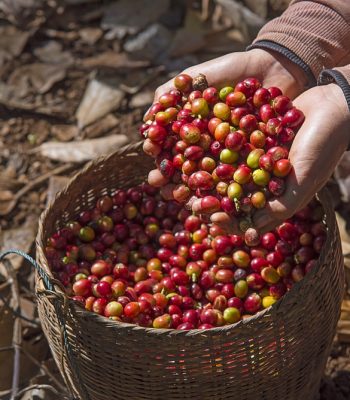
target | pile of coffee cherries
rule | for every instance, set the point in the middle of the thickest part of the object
(139, 259)
(226, 148)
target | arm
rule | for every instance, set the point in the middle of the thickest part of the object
(315, 35)
(317, 148)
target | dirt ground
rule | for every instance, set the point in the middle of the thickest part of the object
(76, 77)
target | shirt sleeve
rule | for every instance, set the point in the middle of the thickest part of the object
(340, 76)
(315, 35)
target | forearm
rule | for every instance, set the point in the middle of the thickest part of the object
(313, 35)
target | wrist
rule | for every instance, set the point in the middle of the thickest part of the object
(299, 76)
(282, 65)
(334, 94)
(292, 73)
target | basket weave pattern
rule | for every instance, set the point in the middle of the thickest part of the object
(277, 354)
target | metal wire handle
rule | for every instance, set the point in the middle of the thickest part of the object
(60, 315)
(41, 272)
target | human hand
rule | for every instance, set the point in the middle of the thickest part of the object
(316, 150)
(271, 69)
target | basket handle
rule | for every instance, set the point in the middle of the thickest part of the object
(45, 277)
(61, 319)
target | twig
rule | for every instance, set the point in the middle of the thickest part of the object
(17, 331)
(6, 348)
(4, 285)
(7, 305)
(41, 387)
(17, 341)
(5, 392)
(135, 89)
(45, 370)
(27, 292)
(33, 184)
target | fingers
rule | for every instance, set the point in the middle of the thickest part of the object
(156, 179)
(167, 191)
(231, 68)
(280, 209)
(226, 222)
(151, 148)
(316, 150)
(274, 214)
(166, 87)
(219, 72)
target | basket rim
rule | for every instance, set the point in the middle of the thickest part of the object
(323, 196)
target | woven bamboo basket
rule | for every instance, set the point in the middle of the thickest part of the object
(280, 353)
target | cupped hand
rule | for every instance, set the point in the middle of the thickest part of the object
(271, 69)
(316, 150)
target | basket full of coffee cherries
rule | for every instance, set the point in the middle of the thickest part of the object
(149, 255)
(164, 288)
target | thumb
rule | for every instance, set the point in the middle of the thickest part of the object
(275, 212)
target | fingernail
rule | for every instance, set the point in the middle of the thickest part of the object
(195, 204)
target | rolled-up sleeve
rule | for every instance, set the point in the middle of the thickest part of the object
(313, 34)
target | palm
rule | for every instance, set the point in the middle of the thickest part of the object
(308, 152)
(315, 152)
(234, 67)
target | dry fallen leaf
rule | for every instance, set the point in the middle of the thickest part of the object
(52, 52)
(70, 36)
(18, 10)
(112, 59)
(56, 184)
(81, 150)
(19, 238)
(99, 99)
(150, 43)
(142, 99)
(224, 42)
(36, 77)
(259, 7)
(242, 17)
(278, 6)
(6, 195)
(9, 184)
(79, 1)
(101, 126)
(64, 133)
(9, 97)
(90, 35)
(12, 42)
(186, 41)
(8, 205)
(129, 17)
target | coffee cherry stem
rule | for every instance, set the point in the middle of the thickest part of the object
(200, 82)
(237, 205)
